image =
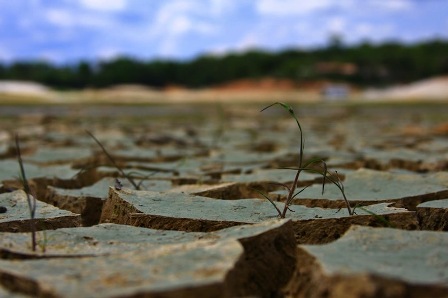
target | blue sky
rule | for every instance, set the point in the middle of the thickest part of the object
(64, 31)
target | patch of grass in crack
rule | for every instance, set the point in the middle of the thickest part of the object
(316, 165)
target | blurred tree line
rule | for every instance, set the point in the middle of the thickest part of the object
(363, 64)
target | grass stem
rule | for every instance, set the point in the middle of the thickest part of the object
(31, 200)
(112, 160)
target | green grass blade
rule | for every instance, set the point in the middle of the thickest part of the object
(270, 200)
(377, 216)
(299, 192)
(292, 113)
(281, 184)
(31, 200)
(129, 178)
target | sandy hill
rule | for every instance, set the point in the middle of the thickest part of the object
(23, 88)
(432, 88)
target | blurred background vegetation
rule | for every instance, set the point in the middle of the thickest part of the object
(364, 64)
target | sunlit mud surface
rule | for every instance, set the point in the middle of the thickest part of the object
(171, 201)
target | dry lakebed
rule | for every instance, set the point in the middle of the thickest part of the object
(172, 201)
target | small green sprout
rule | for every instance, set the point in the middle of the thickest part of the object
(31, 200)
(309, 166)
(43, 242)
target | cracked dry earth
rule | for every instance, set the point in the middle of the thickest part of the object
(198, 226)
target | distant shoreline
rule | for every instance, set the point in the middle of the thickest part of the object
(16, 92)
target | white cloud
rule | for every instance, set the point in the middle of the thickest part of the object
(218, 50)
(183, 24)
(168, 47)
(374, 29)
(373, 32)
(177, 19)
(59, 17)
(249, 41)
(181, 28)
(173, 8)
(180, 25)
(66, 18)
(108, 53)
(392, 5)
(295, 7)
(104, 5)
(5, 55)
(364, 29)
(336, 25)
(219, 7)
(291, 7)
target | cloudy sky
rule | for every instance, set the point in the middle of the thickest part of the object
(64, 31)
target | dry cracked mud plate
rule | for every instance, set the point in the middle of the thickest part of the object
(374, 262)
(88, 201)
(433, 215)
(10, 171)
(404, 158)
(17, 215)
(58, 155)
(40, 177)
(365, 186)
(121, 261)
(185, 212)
